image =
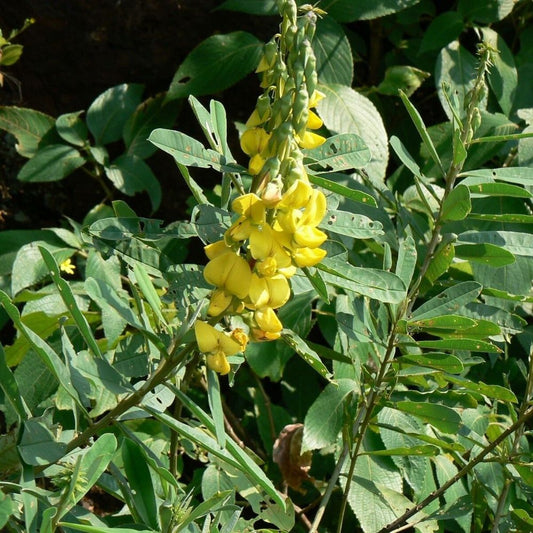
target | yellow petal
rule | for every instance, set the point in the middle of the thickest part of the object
(267, 320)
(240, 337)
(250, 206)
(256, 164)
(254, 141)
(306, 257)
(279, 291)
(206, 337)
(267, 267)
(231, 272)
(309, 236)
(310, 140)
(220, 300)
(261, 241)
(315, 98)
(218, 363)
(315, 209)
(297, 195)
(258, 294)
(216, 248)
(314, 121)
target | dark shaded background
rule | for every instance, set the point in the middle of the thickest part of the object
(76, 50)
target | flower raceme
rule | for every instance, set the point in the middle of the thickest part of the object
(275, 231)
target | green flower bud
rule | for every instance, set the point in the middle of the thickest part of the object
(300, 111)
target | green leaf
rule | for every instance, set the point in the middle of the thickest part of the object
(443, 29)
(491, 188)
(485, 11)
(350, 194)
(48, 356)
(236, 457)
(456, 67)
(6, 508)
(140, 482)
(406, 263)
(502, 75)
(340, 152)
(252, 7)
(351, 225)
(51, 163)
(517, 175)
(440, 263)
(108, 114)
(130, 174)
(72, 129)
(405, 156)
(303, 350)
(474, 345)
(10, 54)
(438, 361)
(520, 244)
(66, 294)
(215, 64)
(156, 112)
(400, 77)
(422, 130)
(344, 110)
(484, 253)
(453, 322)
(334, 61)
(448, 301)
(215, 404)
(440, 417)
(37, 445)
(325, 418)
(188, 151)
(148, 290)
(372, 473)
(348, 11)
(11, 390)
(29, 127)
(100, 529)
(378, 284)
(456, 205)
(496, 392)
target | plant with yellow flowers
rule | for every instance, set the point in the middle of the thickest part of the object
(275, 230)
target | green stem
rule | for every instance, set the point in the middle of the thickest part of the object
(162, 372)
(521, 421)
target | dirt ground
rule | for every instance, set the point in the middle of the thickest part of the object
(79, 48)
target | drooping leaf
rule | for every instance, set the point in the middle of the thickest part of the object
(485, 253)
(51, 163)
(333, 53)
(325, 417)
(216, 64)
(348, 11)
(72, 128)
(443, 29)
(156, 112)
(347, 111)
(130, 174)
(37, 445)
(108, 114)
(307, 353)
(28, 126)
(350, 194)
(439, 361)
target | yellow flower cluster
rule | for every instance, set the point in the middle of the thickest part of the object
(276, 227)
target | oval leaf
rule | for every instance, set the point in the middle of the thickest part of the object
(457, 204)
(51, 163)
(440, 417)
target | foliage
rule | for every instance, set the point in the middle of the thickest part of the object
(377, 380)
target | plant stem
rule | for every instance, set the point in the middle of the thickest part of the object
(162, 372)
(522, 419)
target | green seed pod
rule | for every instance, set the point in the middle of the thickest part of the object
(311, 78)
(263, 106)
(300, 111)
(476, 119)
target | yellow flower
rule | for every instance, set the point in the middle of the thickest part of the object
(306, 257)
(270, 292)
(220, 300)
(309, 236)
(67, 266)
(268, 321)
(231, 272)
(254, 141)
(216, 248)
(250, 206)
(239, 336)
(216, 345)
(311, 140)
(314, 121)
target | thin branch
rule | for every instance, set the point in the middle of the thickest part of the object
(402, 520)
